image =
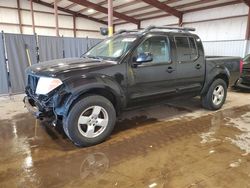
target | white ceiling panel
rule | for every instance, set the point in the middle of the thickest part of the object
(117, 3)
(144, 11)
(84, 10)
(77, 8)
(48, 1)
(96, 1)
(99, 15)
(64, 3)
(152, 15)
(135, 6)
(182, 2)
(119, 21)
(205, 5)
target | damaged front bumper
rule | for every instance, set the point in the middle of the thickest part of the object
(38, 106)
(41, 106)
(37, 109)
(29, 104)
(49, 106)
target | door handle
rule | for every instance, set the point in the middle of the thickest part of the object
(170, 69)
(198, 66)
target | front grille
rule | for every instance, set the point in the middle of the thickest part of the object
(32, 83)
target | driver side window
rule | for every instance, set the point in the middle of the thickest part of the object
(158, 47)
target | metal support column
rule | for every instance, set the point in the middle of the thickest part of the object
(74, 25)
(6, 65)
(248, 26)
(139, 25)
(180, 21)
(56, 17)
(19, 16)
(32, 17)
(110, 17)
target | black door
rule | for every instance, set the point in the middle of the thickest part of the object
(155, 77)
(190, 64)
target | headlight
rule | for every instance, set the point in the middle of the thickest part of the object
(45, 85)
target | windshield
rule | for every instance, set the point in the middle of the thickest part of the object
(112, 48)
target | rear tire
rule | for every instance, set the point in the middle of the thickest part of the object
(90, 121)
(215, 96)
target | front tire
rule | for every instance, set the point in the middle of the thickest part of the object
(90, 121)
(215, 96)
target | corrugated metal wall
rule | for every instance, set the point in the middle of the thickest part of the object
(19, 48)
(224, 48)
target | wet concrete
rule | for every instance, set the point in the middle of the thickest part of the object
(161, 146)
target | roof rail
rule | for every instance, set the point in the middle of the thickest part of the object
(149, 28)
(125, 31)
(170, 28)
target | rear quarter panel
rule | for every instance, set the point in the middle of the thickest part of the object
(229, 66)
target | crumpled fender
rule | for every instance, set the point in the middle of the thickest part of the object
(80, 85)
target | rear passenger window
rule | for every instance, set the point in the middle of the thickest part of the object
(186, 48)
(193, 48)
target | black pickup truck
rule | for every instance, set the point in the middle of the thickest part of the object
(244, 80)
(131, 67)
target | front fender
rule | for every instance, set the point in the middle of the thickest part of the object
(80, 85)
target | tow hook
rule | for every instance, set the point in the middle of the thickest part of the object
(54, 123)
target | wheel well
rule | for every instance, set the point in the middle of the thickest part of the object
(97, 91)
(105, 93)
(223, 77)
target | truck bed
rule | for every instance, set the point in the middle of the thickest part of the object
(230, 62)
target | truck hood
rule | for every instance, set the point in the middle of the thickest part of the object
(68, 66)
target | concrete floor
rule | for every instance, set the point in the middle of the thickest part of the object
(175, 144)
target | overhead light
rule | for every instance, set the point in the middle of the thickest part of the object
(91, 10)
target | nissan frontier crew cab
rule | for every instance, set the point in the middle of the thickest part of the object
(88, 93)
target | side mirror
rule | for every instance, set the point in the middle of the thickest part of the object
(144, 57)
(104, 31)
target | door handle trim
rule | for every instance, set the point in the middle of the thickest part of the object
(198, 66)
(170, 69)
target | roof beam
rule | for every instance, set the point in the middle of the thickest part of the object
(247, 2)
(69, 11)
(164, 7)
(105, 10)
(186, 11)
(142, 8)
(176, 7)
(197, 9)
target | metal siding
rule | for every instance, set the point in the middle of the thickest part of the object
(224, 48)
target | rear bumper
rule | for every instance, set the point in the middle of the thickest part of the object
(240, 85)
(32, 109)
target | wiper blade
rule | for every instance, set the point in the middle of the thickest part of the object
(93, 57)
